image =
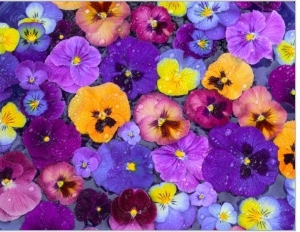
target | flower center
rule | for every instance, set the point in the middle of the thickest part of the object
(60, 183)
(31, 79)
(128, 73)
(201, 196)
(98, 209)
(133, 212)
(202, 43)
(46, 139)
(165, 197)
(224, 80)
(180, 154)
(102, 115)
(210, 107)
(60, 36)
(34, 104)
(260, 118)
(31, 38)
(250, 36)
(131, 166)
(102, 15)
(130, 134)
(153, 23)
(207, 12)
(293, 92)
(84, 165)
(7, 183)
(161, 121)
(247, 161)
(76, 60)
(223, 216)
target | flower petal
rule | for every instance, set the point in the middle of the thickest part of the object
(180, 202)
(35, 10)
(162, 212)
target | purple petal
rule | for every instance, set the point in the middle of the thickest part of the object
(43, 43)
(215, 33)
(59, 57)
(174, 221)
(60, 75)
(40, 76)
(231, 16)
(261, 48)
(189, 217)
(84, 75)
(93, 163)
(92, 59)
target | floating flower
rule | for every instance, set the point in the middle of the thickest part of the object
(255, 108)
(207, 108)
(213, 17)
(18, 194)
(245, 159)
(45, 102)
(59, 183)
(229, 75)
(131, 64)
(68, 5)
(261, 214)
(74, 63)
(123, 166)
(265, 6)
(194, 42)
(45, 13)
(290, 187)
(204, 195)
(217, 216)
(62, 218)
(132, 210)
(178, 75)
(285, 52)
(181, 162)
(101, 21)
(92, 206)
(85, 161)
(32, 74)
(285, 141)
(10, 118)
(50, 141)
(98, 111)
(253, 36)
(177, 9)
(160, 119)
(152, 23)
(130, 132)
(33, 37)
(9, 38)
(282, 84)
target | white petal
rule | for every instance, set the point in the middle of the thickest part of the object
(215, 210)
(34, 10)
(162, 212)
(180, 202)
(49, 24)
(271, 205)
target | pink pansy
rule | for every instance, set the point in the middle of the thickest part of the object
(18, 194)
(160, 119)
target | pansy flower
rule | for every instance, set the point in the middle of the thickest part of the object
(59, 183)
(261, 214)
(253, 36)
(265, 6)
(50, 141)
(131, 64)
(177, 9)
(74, 63)
(160, 119)
(31, 74)
(62, 218)
(46, 102)
(152, 23)
(68, 5)
(245, 159)
(9, 38)
(290, 187)
(285, 52)
(217, 216)
(101, 21)
(204, 195)
(255, 108)
(178, 75)
(92, 206)
(130, 132)
(213, 17)
(282, 84)
(47, 14)
(99, 111)
(132, 210)
(33, 37)
(287, 215)
(207, 108)
(123, 166)
(181, 162)
(285, 141)
(10, 118)
(229, 75)
(194, 42)
(18, 193)
(85, 161)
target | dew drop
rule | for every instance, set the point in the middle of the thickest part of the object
(106, 136)
(171, 55)
(31, 189)
(117, 106)
(8, 199)
(140, 107)
(102, 41)
(228, 132)
(184, 179)
(244, 86)
(87, 11)
(232, 165)
(118, 4)
(74, 195)
(202, 216)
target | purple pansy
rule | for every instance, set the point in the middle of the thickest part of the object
(181, 162)
(74, 64)
(46, 102)
(130, 132)
(246, 162)
(194, 42)
(265, 6)
(123, 166)
(253, 36)
(290, 187)
(204, 195)
(50, 141)
(85, 161)
(287, 215)
(282, 84)
(49, 216)
(31, 74)
(213, 17)
(8, 64)
(131, 64)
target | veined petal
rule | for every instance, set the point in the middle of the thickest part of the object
(162, 212)
(248, 208)
(11, 116)
(10, 39)
(7, 135)
(167, 68)
(180, 202)
(215, 210)
(191, 78)
(221, 225)
(270, 205)
(49, 24)
(177, 9)
(34, 10)
(162, 193)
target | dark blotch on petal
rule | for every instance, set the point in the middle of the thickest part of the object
(100, 124)
(259, 161)
(118, 214)
(245, 171)
(247, 149)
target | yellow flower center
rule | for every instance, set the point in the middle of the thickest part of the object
(127, 73)
(180, 154)
(34, 104)
(130, 134)
(84, 165)
(293, 92)
(247, 161)
(61, 36)
(98, 209)
(31, 38)
(60, 183)
(102, 15)
(210, 107)
(153, 23)
(31, 79)
(201, 196)
(223, 216)
(6, 181)
(260, 118)
(250, 36)
(133, 212)
(76, 60)
(207, 12)
(46, 139)
(224, 80)
(131, 167)
(161, 121)
(202, 43)
(102, 115)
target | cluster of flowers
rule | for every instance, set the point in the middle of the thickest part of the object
(163, 105)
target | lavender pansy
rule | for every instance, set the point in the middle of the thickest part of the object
(204, 195)
(285, 52)
(290, 187)
(130, 132)
(287, 215)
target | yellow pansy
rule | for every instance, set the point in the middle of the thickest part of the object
(177, 9)
(285, 52)
(9, 38)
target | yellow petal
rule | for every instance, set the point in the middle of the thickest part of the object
(11, 38)
(7, 135)
(191, 77)
(2, 48)
(11, 116)
(177, 9)
(172, 88)
(167, 68)
(248, 208)
(162, 193)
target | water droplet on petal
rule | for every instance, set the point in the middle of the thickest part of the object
(106, 136)
(31, 189)
(244, 86)
(140, 107)
(228, 132)
(202, 216)
(8, 199)
(87, 11)
(74, 195)
(102, 41)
